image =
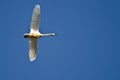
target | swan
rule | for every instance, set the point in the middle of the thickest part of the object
(34, 33)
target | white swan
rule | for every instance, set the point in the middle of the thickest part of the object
(34, 33)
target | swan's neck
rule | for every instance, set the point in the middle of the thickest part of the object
(50, 34)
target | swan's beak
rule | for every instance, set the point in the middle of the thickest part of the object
(53, 34)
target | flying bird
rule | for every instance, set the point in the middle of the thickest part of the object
(34, 33)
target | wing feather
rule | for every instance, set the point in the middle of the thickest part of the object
(35, 19)
(32, 49)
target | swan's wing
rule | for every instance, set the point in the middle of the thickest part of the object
(34, 26)
(32, 49)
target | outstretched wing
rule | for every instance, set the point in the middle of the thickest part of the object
(34, 26)
(32, 49)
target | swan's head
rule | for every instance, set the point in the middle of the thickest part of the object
(53, 34)
(50, 34)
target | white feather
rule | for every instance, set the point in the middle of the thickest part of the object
(32, 48)
(35, 19)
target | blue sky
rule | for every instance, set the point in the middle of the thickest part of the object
(87, 46)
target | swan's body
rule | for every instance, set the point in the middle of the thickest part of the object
(34, 33)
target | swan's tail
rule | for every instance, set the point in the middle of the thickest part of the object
(26, 35)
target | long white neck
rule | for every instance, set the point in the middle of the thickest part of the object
(50, 34)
